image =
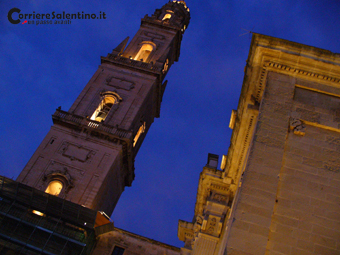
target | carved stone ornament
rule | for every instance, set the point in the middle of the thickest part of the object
(76, 152)
(211, 226)
(154, 36)
(119, 83)
(219, 198)
(197, 228)
(297, 125)
(223, 187)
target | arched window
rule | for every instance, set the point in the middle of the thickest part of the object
(144, 52)
(54, 187)
(59, 182)
(167, 16)
(105, 106)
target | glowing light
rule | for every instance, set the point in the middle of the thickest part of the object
(104, 108)
(140, 131)
(144, 52)
(54, 188)
(38, 213)
(167, 16)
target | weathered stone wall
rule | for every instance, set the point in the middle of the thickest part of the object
(290, 194)
(250, 230)
(306, 218)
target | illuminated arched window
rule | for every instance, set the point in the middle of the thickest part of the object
(105, 106)
(54, 187)
(167, 16)
(144, 52)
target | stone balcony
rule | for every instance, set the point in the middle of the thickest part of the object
(150, 68)
(69, 119)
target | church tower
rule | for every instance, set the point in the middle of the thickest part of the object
(88, 155)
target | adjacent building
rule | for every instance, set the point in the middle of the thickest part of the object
(278, 190)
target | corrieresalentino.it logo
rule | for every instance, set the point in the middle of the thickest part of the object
(15, 17)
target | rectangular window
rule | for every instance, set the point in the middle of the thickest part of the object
(140, 131)
(118, 251)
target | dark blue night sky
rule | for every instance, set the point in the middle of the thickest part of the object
(45, 66)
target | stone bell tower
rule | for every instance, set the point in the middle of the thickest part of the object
(88, 155)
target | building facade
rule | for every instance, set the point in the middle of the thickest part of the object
(278, 190)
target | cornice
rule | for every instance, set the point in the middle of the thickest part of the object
(269, 54)
(292, 70)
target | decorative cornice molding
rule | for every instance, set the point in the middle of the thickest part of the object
(276, 66)
(260, 85)
(223, 188)
(301, 71)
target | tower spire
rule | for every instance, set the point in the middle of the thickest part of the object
(120, 48)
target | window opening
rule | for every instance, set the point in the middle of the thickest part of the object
(54, 187)
(103, 112)
(118, 251)
(167, 16)
(140, 131)
(144, 52)
(104, 108)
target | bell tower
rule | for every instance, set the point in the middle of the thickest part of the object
(88, 155)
